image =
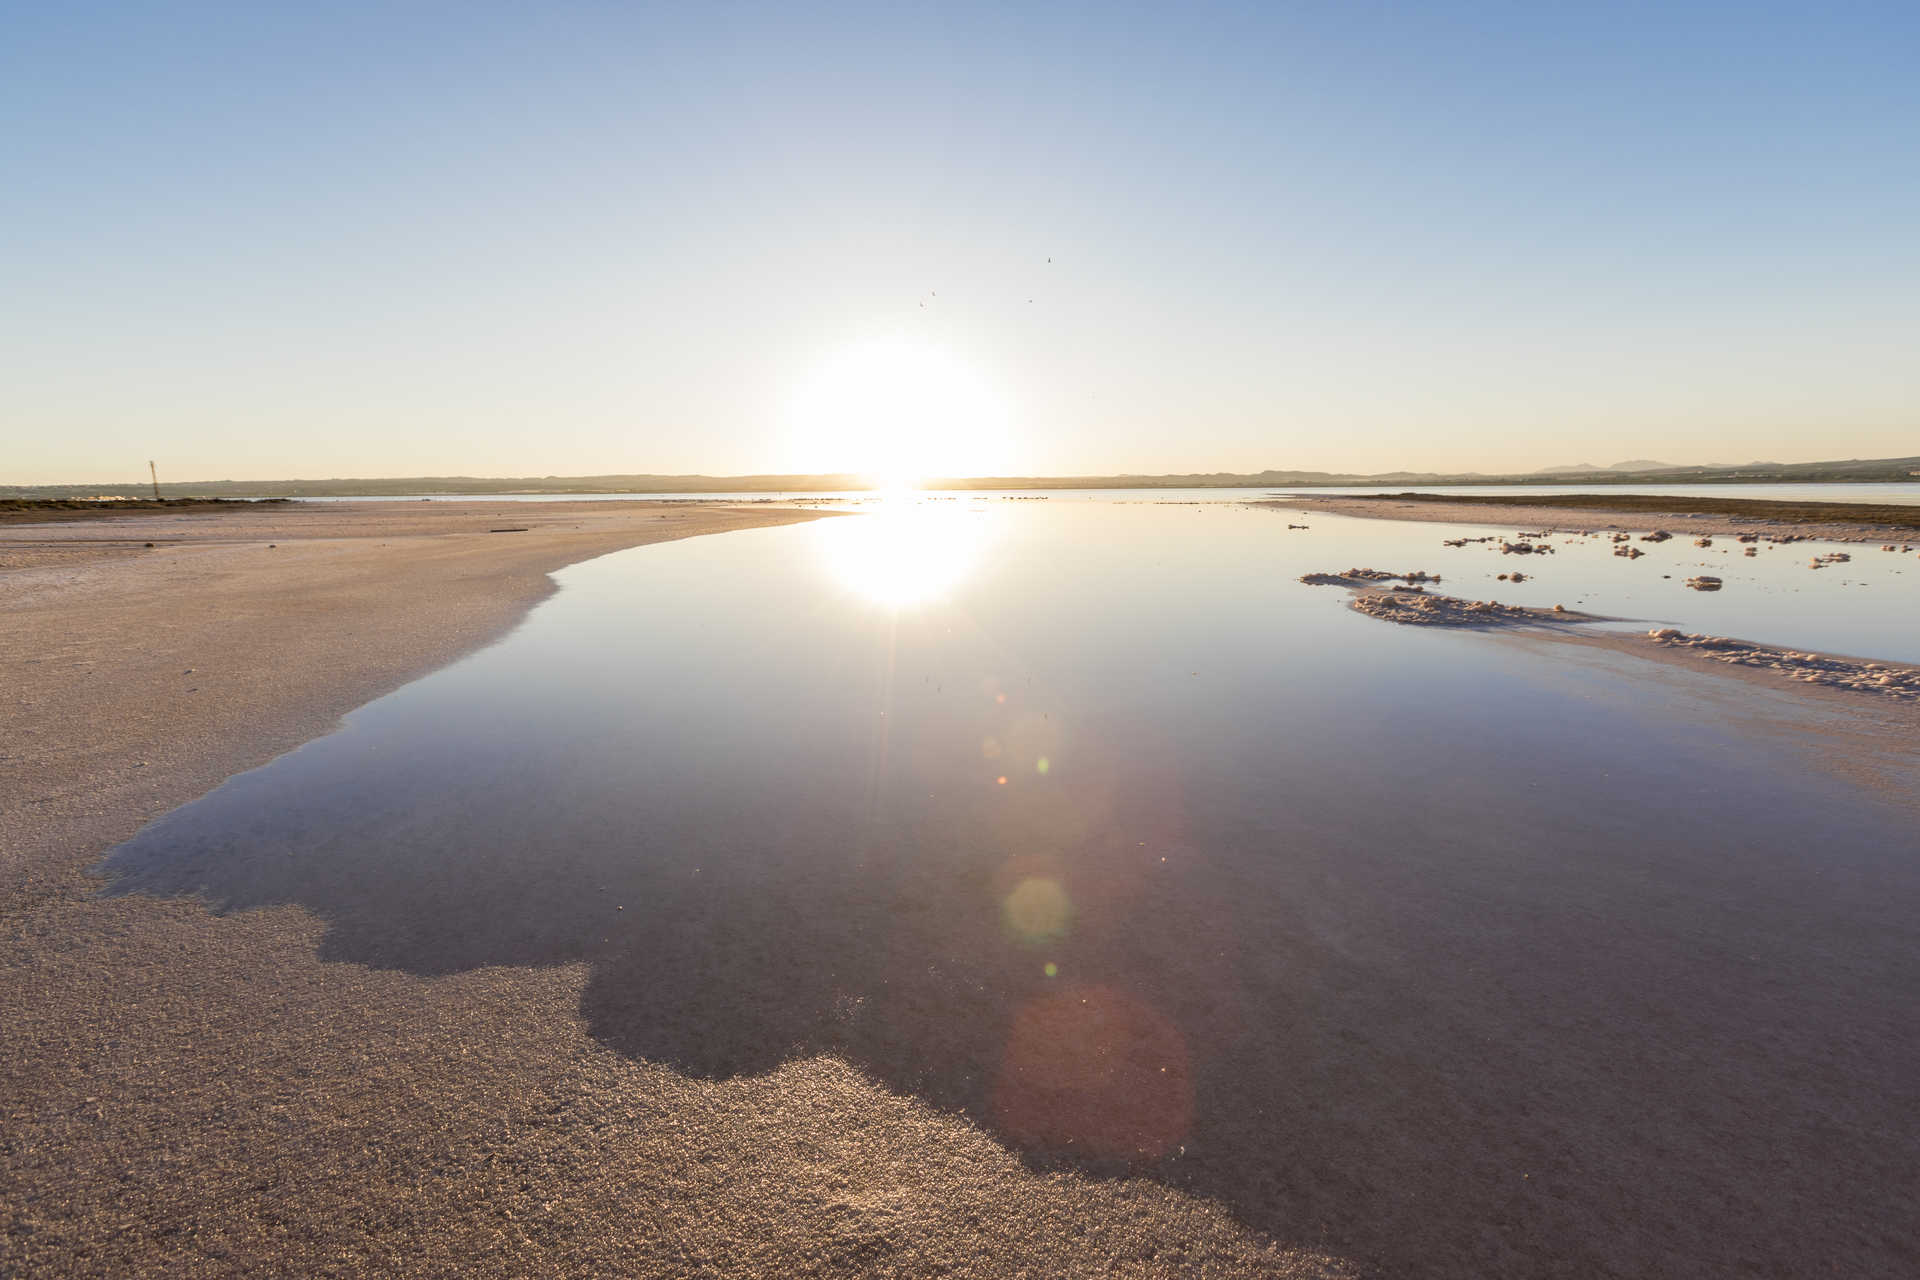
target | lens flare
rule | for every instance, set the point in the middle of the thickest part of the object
(1038, 910)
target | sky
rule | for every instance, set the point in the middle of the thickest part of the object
(269, 241)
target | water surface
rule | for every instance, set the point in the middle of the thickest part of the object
(1090, 822)
(1894, 493)
(1890, 492)
(1866, 606)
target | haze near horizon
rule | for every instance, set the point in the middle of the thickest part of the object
(468, 240)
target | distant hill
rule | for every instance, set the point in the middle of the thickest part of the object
(1847, 471)
(1854, 470)
(1582, 468)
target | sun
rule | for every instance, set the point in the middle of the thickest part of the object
(896, 411)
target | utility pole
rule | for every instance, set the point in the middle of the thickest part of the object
(156, 479)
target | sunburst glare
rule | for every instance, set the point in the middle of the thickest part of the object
(897, 411)
(905, 551)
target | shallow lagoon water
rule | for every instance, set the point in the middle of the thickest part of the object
(1895, 493)
(1868, 606)
(1892, 493)
(1090, 822)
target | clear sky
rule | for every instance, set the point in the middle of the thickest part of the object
(257, 240)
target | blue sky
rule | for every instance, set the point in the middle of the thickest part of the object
(434, 239)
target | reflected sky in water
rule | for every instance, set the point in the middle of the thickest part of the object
(1111, 835)
(1868, 606)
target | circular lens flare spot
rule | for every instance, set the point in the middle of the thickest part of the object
(1038, 910)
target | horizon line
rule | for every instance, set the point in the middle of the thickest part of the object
(1898, 469)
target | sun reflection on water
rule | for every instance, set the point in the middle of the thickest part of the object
(905, 551)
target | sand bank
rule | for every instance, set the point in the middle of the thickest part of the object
(1404, 598)
(193, 1095)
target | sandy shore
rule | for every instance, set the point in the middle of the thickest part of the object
(1501, 516)
(191, 1095)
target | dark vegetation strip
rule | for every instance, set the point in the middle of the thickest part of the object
(1873, 513)
(34, 510)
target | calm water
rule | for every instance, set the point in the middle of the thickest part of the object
(1090, 822)
(1868, 606)
(1895, 494)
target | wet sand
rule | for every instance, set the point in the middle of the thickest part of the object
(1375, 594)
(198, 1095)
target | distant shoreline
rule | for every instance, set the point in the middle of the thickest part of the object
(1832, 521)
(1848, 471)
